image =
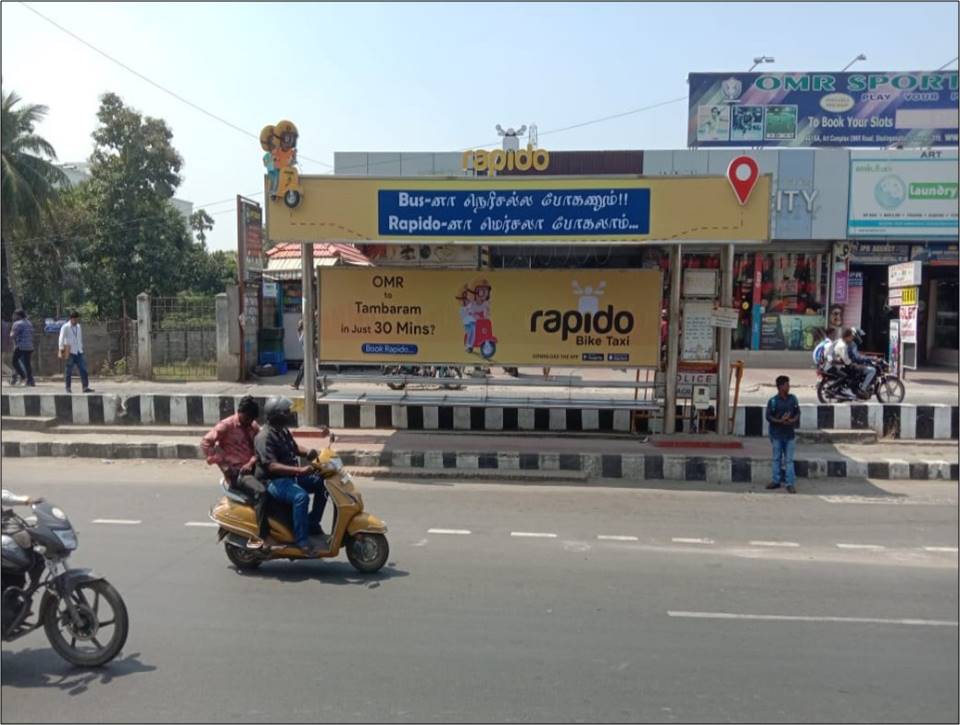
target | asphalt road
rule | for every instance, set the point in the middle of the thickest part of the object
(699, 603)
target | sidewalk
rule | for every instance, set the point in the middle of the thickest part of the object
(514, 456)
(926, 386)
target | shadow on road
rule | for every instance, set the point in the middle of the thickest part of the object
(32, 668)
(340, 573)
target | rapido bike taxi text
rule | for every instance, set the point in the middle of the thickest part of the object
(500, 160)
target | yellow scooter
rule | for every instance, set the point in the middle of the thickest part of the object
(289, 187)
(362, 534)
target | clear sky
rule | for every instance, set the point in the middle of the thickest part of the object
(424, 77)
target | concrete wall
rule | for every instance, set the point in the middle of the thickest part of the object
(101, 341)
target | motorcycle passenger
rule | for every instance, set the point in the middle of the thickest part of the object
(229, 445)
(277, 467)
(855, 365)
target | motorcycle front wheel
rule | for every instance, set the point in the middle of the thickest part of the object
(368, 552)
(101, 631)
(891, 390)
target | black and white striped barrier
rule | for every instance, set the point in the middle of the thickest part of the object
(905, 422)
(630, 467)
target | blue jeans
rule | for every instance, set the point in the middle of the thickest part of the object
(76, 359)
(296, 492)
(783, 451)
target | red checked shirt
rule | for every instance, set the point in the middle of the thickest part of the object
(230, 445)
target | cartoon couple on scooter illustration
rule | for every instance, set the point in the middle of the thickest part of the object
(475, 317)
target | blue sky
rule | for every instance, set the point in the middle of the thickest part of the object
(424, 77)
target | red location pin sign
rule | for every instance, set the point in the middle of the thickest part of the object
(743, 173)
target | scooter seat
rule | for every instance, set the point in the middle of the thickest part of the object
(239, 496)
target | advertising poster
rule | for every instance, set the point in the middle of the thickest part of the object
(571, 318)
(841, 269)
(698, 332)
(521, 210)
(853, 310)
(249, 236)
(907, 194)
(893, 348)
(908, 323)
(912, 108)
(789, 332)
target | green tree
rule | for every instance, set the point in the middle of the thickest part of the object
(201, 223)
(139, 242)
(29, 180)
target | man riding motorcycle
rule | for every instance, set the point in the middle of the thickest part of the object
(278, 469)
(847, 354)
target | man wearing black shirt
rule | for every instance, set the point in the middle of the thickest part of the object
(278, 467)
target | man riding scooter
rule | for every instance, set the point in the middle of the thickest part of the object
(279, 470)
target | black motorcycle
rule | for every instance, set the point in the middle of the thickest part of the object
(83, 616)
(834, 384)
(440, 373)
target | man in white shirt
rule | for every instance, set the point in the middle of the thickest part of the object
(71, 350)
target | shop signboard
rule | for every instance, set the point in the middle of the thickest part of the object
(841, 268)
(913, 108)
(249, 237)
(893, 348)
(687, 379)
(909, 194)
(442, 256)
(270, 290)
(879, 253)
(576, 318)
(698, 332)
(520, 210)
(937, 253)
(906, 274)
(853, 310)
(908, 323)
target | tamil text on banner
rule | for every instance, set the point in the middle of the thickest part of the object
(914, 108)
(508, 317)
(903, 194)
(521, 210)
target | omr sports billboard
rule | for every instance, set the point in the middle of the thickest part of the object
(913, 108)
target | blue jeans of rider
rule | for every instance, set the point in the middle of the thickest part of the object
(296, 492)
(783, 451)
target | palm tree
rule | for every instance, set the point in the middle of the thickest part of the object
(29, 178)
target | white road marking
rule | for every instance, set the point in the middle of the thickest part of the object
(122, 522)
(611, 537)
(948, 549)
(870, 547)
(202, 523)
(799, 618)
(453, 532)
(774, 543)
(679, 540)
(532, 535)
(422, 542)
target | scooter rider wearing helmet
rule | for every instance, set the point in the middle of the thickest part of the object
(278, 467)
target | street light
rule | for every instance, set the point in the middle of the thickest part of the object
(858, 58)
(761, 59)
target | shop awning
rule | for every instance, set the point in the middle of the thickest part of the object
(284, 261)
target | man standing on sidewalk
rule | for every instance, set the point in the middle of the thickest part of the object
(22, 334)
(783, 415)
(71, 350)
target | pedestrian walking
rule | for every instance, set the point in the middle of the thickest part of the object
(303, 365)
(783, 416)
(22, 335)
(71, 350)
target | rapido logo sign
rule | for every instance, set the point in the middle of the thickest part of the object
(589, 319)
(502, 317)
(500, 160)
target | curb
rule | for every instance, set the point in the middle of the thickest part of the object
(632, 467)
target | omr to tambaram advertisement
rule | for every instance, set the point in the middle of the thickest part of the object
(508, 317)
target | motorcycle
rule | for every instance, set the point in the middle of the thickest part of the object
(83, 616)
(886, 387)
(440, 372)
(361, 534)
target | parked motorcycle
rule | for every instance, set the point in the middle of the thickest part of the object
(886, 387)
(360, 533)
(442, 373)
(83, 616)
